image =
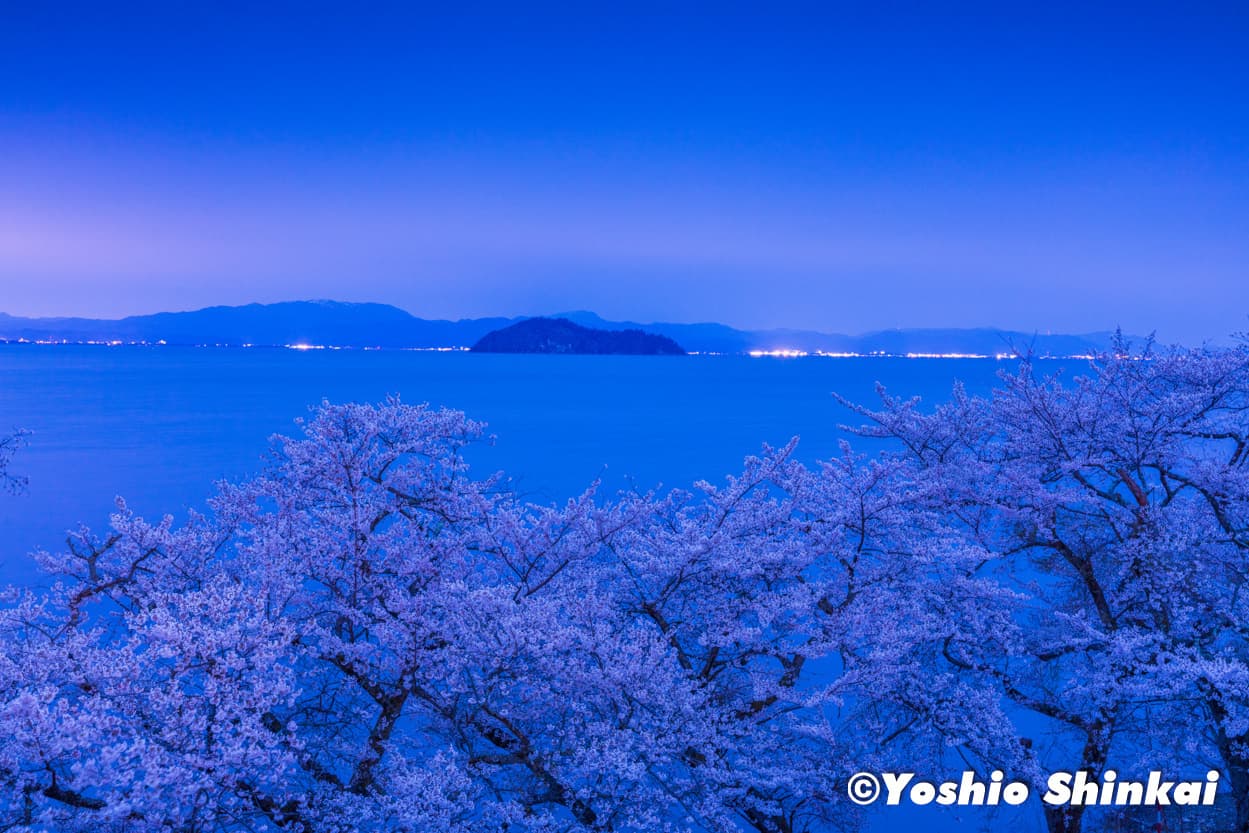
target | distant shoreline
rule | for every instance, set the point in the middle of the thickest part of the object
(382, 325)
(756, 354)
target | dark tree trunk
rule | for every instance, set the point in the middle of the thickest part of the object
(1239, 783)
(1070, 818)
(1237, 764)
(1232, 749)
(1064, 819)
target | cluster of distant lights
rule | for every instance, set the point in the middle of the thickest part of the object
(779, 353)
(798, 354)
(162, 343)
(95, 342)
(339, 347)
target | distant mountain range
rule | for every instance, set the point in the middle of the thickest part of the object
(337, 324)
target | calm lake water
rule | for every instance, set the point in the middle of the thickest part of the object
(159, 425)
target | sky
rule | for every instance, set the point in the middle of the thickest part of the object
(837, 166)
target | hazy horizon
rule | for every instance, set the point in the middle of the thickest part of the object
(562, 312)
(832, 168)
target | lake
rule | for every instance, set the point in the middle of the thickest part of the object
(159, 425)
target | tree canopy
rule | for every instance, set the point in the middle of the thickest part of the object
(366, 636)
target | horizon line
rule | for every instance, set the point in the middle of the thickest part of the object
(1035, 332)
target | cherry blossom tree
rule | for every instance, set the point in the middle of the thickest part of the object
(1113, 508)
(9, 445)
(365, 637)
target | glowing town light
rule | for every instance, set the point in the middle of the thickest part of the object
(783, 354)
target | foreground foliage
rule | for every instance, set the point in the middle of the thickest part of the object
(9, 445)
(365, 637)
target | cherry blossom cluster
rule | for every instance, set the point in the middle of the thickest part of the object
(366, 636)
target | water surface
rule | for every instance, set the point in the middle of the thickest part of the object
(159, 425)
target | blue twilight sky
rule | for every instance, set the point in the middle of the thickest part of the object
(840, 166)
